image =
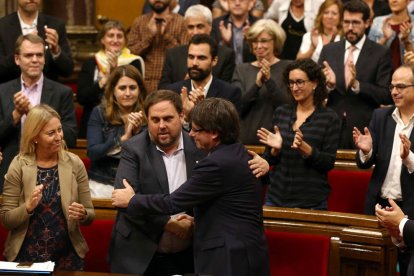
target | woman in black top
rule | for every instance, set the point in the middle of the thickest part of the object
(302, 148)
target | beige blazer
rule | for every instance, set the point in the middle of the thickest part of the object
(19, 183)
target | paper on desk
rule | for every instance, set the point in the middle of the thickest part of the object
(45, 267)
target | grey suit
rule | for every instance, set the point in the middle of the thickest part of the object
(373, 69)
(134, 240)
(57, 95)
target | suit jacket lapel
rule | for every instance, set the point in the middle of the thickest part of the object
(213, 91)
(389, 131)
(47, 91)
(190, 158)
(29, 178)
(363, 57)
(157, 163)
(340, 77)
(41, 22)
(15, 27)
(65, 182)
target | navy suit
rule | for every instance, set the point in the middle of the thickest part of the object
(373, 71)
(56, 95)
(228, 234)
(135, 240)
(218, 89)
(175, 65)
(10, 30)
(382, 128)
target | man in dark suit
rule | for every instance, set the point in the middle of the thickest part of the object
(228, 235)
(360, 86)
(386, 143)
(228, 30)
(202, 57)
(155, 162)
(19, 95)
(27, 19)
(198, 20)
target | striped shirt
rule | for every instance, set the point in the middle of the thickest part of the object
(296, 181)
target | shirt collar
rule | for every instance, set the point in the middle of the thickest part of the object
(179, 148)
(35, 85)
(397, 117)
(25, 26)
(358, 45)
(206, 87)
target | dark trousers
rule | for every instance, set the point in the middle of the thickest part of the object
(171, 264)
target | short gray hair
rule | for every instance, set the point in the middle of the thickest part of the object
(199, 10)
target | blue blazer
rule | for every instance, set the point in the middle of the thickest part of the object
(218, 89)
(228, 234)
(382, 128)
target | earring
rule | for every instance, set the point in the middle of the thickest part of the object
(35, 142)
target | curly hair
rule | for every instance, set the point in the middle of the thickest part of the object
(314, 73)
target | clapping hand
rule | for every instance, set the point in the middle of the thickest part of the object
(52, 40)
(329, 75)
(362, 142)
(405, 146)
(272, 140)
(264, 72)
(133, 124)
(77, 211)
(300, 145)
(258, 165)
(226, 32)
(34, 199)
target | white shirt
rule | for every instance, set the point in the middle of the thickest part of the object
(206, 87)
(391, 188)
(177, 174)
(26, 29)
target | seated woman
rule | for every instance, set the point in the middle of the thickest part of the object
(96, 70)
(303, 147)
(46, 196)
(119, 117)
(261, 81)
(328, 28)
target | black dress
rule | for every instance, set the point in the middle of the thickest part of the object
(47, 237)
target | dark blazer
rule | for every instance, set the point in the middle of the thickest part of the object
(58, 96)
(228, 234)
(89, 93)
(10, 30)
(408, 233)
(175, 65)
(218, 89)
(374, 69)
(382, 128)
(248, 56)
(135, 240)
(184, 5)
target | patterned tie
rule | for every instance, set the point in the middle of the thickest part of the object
(347, 65)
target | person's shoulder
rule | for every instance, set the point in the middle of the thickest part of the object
(9, 18)
(56, 85)
(51, 19)
(176, 86)
(137, 142)
(178, 50)
(224, 18)
(11, 83)
(383, 111)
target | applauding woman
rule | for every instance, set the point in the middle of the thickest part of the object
(261, 81)
(46, 196)
(302, 148)
(119, 117)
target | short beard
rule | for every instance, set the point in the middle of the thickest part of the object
(158, 8)
(200, 75)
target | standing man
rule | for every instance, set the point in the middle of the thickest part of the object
(18, 96)
(28, 19)
(201, 59)
(386, 143)
(198, 20)
(228, 235)
(229, 29)
(357, 72)
(152, 34)
(157, 161)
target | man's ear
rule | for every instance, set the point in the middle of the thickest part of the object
(214, 61)
(17, 59)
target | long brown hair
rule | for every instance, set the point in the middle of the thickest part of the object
(110, 104)
(318, 20)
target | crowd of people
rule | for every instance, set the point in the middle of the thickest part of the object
(167, 107)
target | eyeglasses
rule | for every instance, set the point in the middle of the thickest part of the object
(354, 23)
(263, 40)
(299, 83)
(399, 86)
(196, 130)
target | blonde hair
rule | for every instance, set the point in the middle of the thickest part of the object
(318, 20)
(271, 28)
(35, 121)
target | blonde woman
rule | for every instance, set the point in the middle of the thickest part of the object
(46, 197)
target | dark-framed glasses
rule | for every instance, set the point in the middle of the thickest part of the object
(299, 83)
(399, 86)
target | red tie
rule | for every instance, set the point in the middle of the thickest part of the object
(348, 62)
